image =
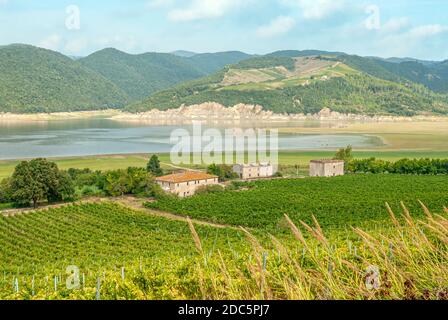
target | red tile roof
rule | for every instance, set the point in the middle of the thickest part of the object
(186, 177)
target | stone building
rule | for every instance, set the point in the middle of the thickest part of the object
(255, 170)
(326, 168)
(187, 183)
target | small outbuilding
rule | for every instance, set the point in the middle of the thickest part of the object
(327, 168)
(255, 170)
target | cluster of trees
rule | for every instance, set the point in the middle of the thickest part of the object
(114, 183)
(223, 171)
(39, 180)
(35, 181)
(136, 181)
(403, 166)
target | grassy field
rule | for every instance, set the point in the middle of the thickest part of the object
(290, 158)
(108, 162)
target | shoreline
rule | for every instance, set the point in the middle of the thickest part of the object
(57, 116)
(212, 112)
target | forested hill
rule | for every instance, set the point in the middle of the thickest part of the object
(291, 82)
(143, 74)
(209, 63)
(35, 80)
(38, 80)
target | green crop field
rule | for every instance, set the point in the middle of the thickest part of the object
(340, 202)
(122, 253)
(92, 236)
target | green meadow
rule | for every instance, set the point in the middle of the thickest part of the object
(286, 158)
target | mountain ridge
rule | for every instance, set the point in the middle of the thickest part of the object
(33, 79)
(289, 81)
(304, 84)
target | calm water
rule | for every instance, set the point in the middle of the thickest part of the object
(102, 136)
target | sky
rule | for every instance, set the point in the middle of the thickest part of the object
(385, 28)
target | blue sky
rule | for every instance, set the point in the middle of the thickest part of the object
(417, 28)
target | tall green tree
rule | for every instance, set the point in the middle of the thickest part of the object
(154, 166)
(39, 180)
(26, 185)
(345, 154)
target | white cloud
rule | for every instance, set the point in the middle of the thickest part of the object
(405, 43)
(315, 9)
(278, 26)
(52, 42)
(427, 31)
(205, 9)
(395, 25)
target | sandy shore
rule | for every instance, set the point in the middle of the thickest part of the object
(59, 115)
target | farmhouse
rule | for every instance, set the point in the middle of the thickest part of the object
(186, 184)
(254, 171)
(326, 168)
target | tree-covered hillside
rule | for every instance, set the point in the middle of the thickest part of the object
(212, 62)
(432, 75)
(39, 80)
(141, 75)
(341, 87)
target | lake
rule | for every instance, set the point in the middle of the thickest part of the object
(95, 136)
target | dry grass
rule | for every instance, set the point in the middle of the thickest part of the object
(409, 263)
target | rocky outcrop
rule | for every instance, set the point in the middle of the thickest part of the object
(212, 111)
(204, 111)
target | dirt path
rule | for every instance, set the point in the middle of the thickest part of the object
(180, 168)
(128, 202)
(14, 212)
(138, 204)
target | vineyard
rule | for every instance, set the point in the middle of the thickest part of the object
(156, 259)
(338, 203)
(38, 247)
(104, 250)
